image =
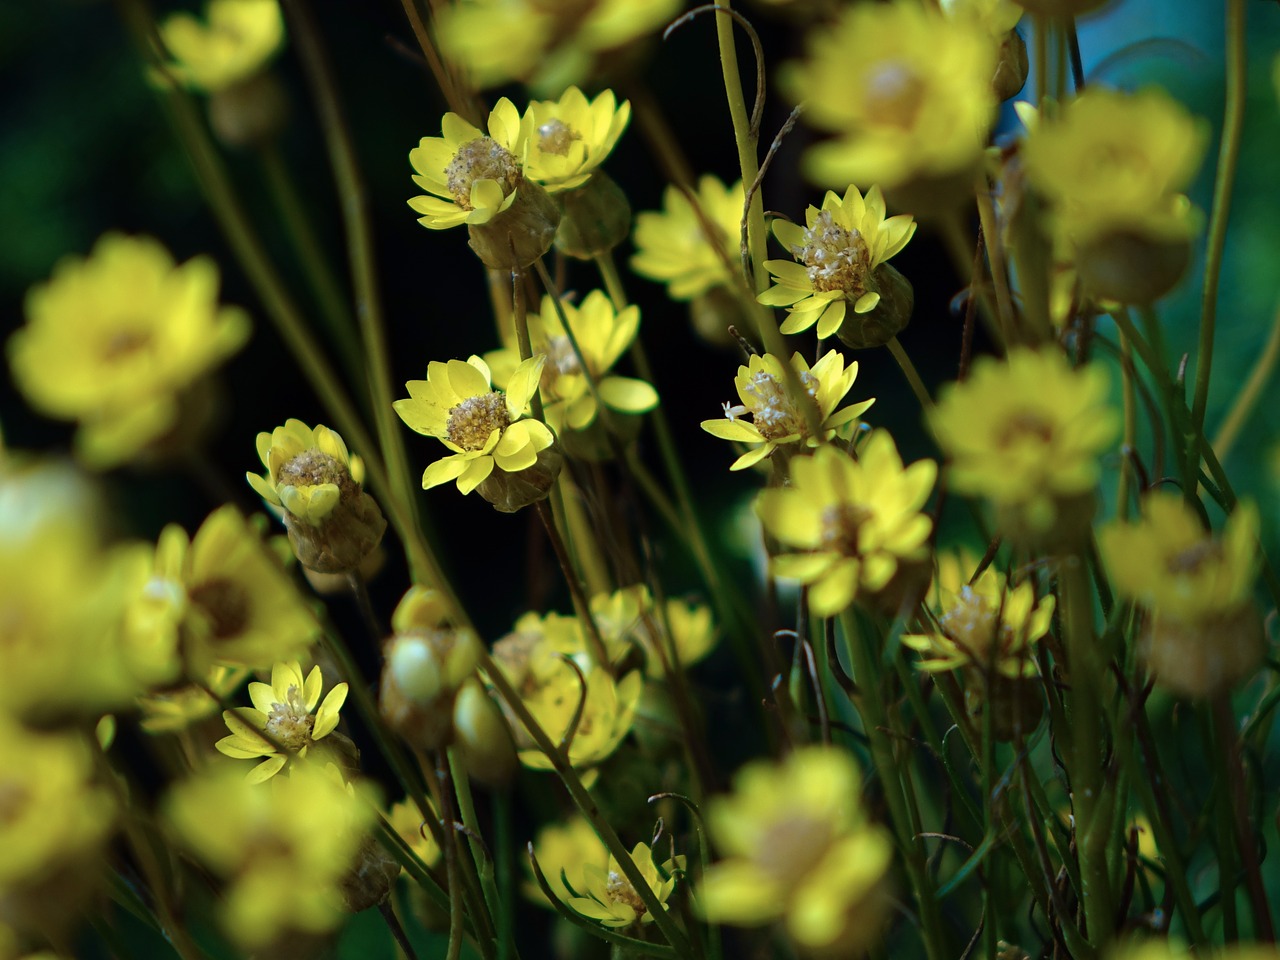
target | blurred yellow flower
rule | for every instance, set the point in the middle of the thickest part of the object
(1117, 162)
(570, 137)
(629, 616)
(689, 253)
(798, 846)
(473, 175)
(168, 711)
(285, 710)
(484, 427)
(236, 40)
(776, 417)
(855, 522)
(55, 820)
(1026, 433)
(838, 251)
(406, 820)
(906, 91)
(563, 850)
(282, 850)
(113, 341)
(996, 16)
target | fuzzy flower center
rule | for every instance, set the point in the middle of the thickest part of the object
(836, 258)
(225, 604)
(619, 889)
(841, 525)
(1190, 561)
(14, 798)
(1026, 427)
(556, 137)
(473, 420)
(971, 623)
(312, 468)
(562, 360)
(894, 94)
(290, 723)
(793, 847)
(772, 410)
(125, 343)
(481, 159)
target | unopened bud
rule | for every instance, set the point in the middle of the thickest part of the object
(596, 218)
(519, 235)
(887, 318)
(250, 113)
(1132, 268)
(482, 736)
(508, 492)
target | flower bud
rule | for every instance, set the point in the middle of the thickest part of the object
(508, 492)
(520, 234)
(1014, 702)
(1132, 268)
(1011, 67)
(250, 113)
(1201, 658)
(369, 880)
(482, 736)
(887, 318)
(714, 312)
(596, 218)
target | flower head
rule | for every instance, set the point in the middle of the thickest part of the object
(114, 341)
(570, 137)
(167, 711)
(836, 255)
(406, 820)
(1026, 433)
(906, 91)
(485, 428)
(797, 845)
(1116, 162)
(854, 522)
(285, 710)
(235, 42)
(776, 417)
(473, 175)
(691, 253)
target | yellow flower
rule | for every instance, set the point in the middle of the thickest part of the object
(996, 16)
(1026, 433)
(113, 341)
(234, 603)
(855, 521)
(563, 850)
(628, 616)
(546, 45)
(838, 251)
(607, 895)
(474, 175)
(776, 418)
(982, 624)
(236, 42)
(54, 819)
(286, 711)
(1116, 162)
(689, 253)
(1202, 632)
(457, 404)
(798, 847)
(168, 711)
(603, 336)
(906, 91)
(570, 137)
(406, 820)
(282, 850)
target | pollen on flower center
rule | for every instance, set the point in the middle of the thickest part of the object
(481, 159)
(472, 421)
(619, 890)
(840, 527)
(562, 357)
(556, 137)
(971, 623)
(836, 257)
(772, 411)
(313, 467)
(895, 94)
(290, 723)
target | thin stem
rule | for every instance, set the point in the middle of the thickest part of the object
(397, 929)
(580, 604)
(910, 372)
(444, 79)
(1250, 393)
(1224, 181)
(1128, 374)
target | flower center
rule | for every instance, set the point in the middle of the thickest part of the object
(1193, 559)
(619, 889)
(314, 467)
(481, 159)
(473, 420)
(14, 798)
(225, 604)
(1026, 426)
(124, 343)
(290, 723)
(772, 411)
(841, 524)
(894, 94)
(561, 358)
(836, 257)
(971, 623)
(793, 847)
(556, 137)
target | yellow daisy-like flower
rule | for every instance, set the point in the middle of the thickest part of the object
(906, 90)
(113, 341)
(1117, 162)
(570, 137)
(285, 710)
(603, 336)
(406, 820)
(169, 711)
(855, 521)
(1026, 433)
(608, 897)
(629, 616)
(798, 847)
(282, 851)
(837, 251)
(983, 623)
(234, 42)
(305, 470)
(234, 603)
(691, 254)
(776, 417)
(562, 851)
(458, 405)
(474, 176)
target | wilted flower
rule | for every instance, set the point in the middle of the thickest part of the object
(777, 418)
(854, 523)
(116, 340)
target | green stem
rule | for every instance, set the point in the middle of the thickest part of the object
(913, 376)
(1224, 181)
(1250, 393)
